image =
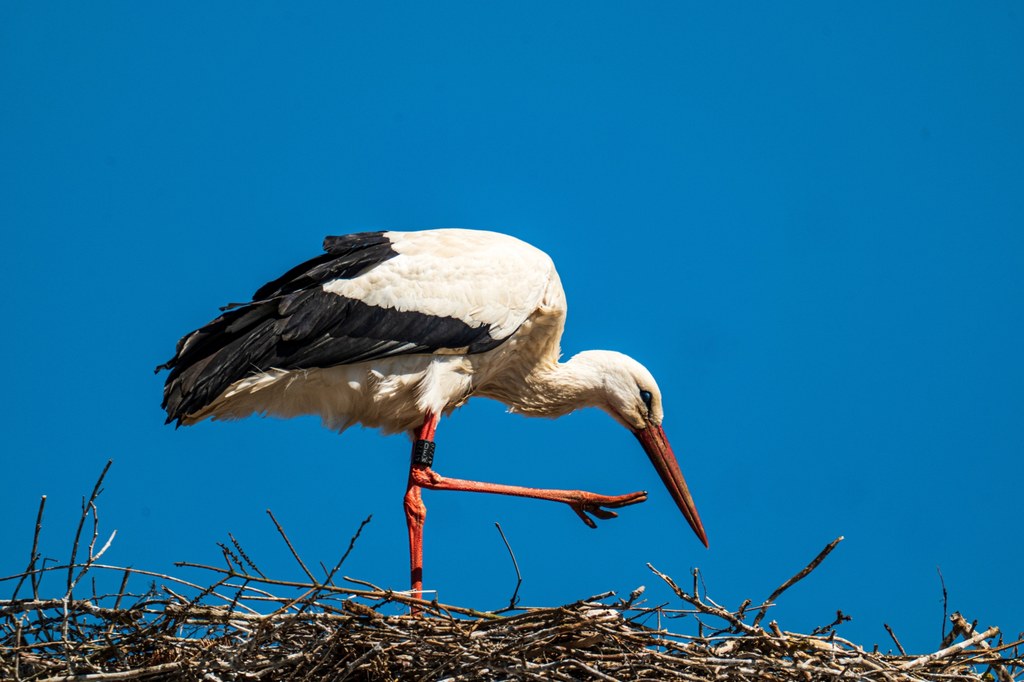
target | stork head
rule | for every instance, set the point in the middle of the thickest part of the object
(628, 392)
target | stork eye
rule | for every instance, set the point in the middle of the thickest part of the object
(646, 397)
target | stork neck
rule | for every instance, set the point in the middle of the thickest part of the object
(559, 388)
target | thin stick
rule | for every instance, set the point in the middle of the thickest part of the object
(66, 622)
(245, 556)
(514, 599)
(351, 546)
(95, 527)
(289, 543)
(81, 522)
(309, 597)
(945, 603)
(120, 590)
(894, 639)
(364, 583)
(695, 601)
(840, 619)
(33, 555)
(93, 558)
(795, 579)
(350, 668)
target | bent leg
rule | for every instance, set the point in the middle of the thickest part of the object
(581, 501)
(422, 476)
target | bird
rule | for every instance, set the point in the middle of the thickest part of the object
(392, 330)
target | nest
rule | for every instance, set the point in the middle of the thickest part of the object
(235, 627)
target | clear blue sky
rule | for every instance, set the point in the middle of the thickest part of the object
(806, 219)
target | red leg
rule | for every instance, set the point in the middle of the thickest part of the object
(581, 501)
(422, 476)
(415, 515)
(416, 511)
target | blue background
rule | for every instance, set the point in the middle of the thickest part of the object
(805, 219)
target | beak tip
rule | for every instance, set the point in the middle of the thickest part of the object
(655, 444)
(698, 529)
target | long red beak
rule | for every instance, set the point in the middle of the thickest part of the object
(657, 448)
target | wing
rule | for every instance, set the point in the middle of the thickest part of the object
(369, 296)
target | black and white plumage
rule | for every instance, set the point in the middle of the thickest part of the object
(351, 335)
(392, 330)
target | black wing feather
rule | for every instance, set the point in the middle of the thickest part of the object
(292, 323)
(346, 257)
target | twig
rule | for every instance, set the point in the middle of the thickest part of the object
(32, 556)
(81, 522)
(694, 600)
(310, 596)
(831, 627)
(514, 599)
(360, 660)
(289, 543)
(351, 546)
(795, 579)
(633, 596)
(120, 590)
(66, 621)
(95, 527)
(364, 583)
(92, 559)
(245, 557)
(945, 604)
(894, 639)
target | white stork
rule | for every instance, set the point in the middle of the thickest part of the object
(391, 330)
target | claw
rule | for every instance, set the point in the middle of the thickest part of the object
(631, 498)
(583, 515)
(595, 504)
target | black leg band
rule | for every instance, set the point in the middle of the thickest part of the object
(423, 452)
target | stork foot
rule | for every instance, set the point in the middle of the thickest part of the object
(595, 505)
